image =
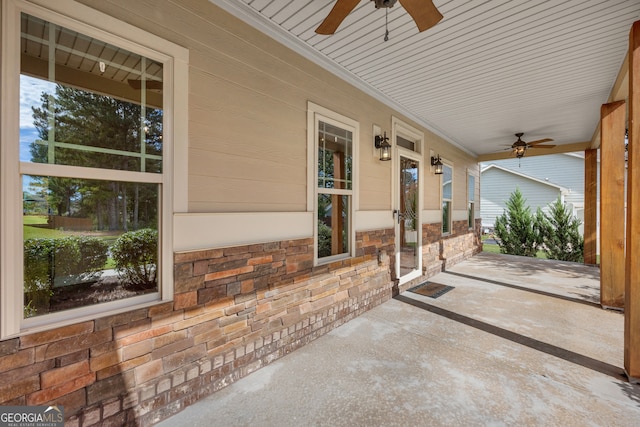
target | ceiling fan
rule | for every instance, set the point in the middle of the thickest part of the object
(520, 147)
(423, 12)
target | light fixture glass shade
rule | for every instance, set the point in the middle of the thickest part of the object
(385, 152)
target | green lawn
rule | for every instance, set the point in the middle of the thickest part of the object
(39, 233)
(30, 232)
(34, 219)
(495, 249)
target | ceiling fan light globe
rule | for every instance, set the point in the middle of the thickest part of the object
(384, 3)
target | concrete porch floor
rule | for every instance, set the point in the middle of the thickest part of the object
(516, 342)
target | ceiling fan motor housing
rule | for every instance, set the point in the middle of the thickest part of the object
(384, 3)
(423, 12)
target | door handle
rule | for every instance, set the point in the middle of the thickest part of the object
(399, 214)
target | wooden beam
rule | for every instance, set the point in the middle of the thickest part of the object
(590, 206)
(36, 67)
(632, 276)
(612, 125)
(558, 149)
(619, 92)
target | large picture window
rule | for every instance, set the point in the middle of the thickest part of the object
(83, 239)
(91, 168)
(333, 148)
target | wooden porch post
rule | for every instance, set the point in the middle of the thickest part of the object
(632, 277)
(590, 205)
(337, 206)
(612, 130)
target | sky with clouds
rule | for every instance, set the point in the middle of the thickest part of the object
(30, 91)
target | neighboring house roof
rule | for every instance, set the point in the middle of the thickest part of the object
(562, 189)
(578, 154)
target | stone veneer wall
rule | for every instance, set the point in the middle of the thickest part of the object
(441, 252)
(463, 243)
(431, 249)
(235, 310)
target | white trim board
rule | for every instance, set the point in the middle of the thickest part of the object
(196, 231)
(373, 220)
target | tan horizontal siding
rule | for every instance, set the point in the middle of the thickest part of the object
(249, 194)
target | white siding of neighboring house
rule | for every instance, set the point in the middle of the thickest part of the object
(564, 170)
(497, 186)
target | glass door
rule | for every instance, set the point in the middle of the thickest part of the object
(407, 213)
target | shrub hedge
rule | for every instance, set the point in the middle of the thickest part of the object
(136, 256)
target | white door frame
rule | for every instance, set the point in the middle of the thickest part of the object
(417, 157)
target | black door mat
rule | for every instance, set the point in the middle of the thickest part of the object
(431, 289)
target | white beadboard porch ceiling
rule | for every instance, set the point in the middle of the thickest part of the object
(489, 69)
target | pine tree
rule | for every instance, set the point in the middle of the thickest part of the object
(561, 238)
(516, 228)
(84, 119)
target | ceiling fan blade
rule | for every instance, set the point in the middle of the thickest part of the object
(543, 146)
(539, 141)
(333, 20)
(423, 12)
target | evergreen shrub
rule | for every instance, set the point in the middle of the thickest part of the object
(135, 254)
(561, 235)
(516, 230)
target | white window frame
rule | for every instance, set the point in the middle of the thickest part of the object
(315, 115)
(408, 132)
(446, 164)
(471, 201)
(173, 182)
